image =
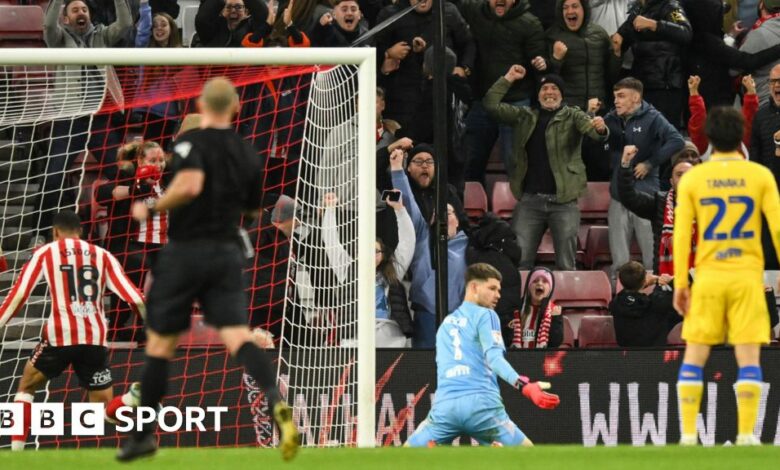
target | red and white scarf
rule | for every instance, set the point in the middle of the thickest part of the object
(761, 21)
(526, 334)
(665, 248)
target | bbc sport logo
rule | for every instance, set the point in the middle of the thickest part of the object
(89, 419)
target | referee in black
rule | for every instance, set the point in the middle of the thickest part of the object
(217, 177)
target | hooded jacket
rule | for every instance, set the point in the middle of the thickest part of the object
(556, 325)
(642, 319)
(655, 137)
(589, 65)
(658, 54)
(711, 58)
(494, 243)
(563, 137)
(515, 38)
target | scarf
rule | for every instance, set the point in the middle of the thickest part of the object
(665, 249)
(761, 21)
(533, 333)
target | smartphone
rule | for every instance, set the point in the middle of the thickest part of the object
(394, 196)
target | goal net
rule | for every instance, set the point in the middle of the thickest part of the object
(74, 130)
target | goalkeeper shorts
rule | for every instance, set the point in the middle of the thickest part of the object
(481, 417)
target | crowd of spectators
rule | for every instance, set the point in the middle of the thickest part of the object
(565, 91)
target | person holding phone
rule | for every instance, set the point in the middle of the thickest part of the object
(393, 317)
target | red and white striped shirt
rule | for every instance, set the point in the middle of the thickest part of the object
(154, 229)
(77, 273)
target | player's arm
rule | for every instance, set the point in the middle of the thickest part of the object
(121, 285)
(493, 348)
(20, 292)
(683, 223)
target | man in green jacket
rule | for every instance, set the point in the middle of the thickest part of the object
(549, 174)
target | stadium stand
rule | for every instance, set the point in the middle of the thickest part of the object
(21, 26)
(503, 201)
(674, 338)
(475, 200)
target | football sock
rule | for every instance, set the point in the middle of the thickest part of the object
(690, 383)
(257, 364)
(116, 403)
(18, 441)
(154, 380)
(748, 398)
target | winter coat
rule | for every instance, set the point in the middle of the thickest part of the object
(403, 86)
(656, 139)
(609, 14)
(494, 243)
(641, 319)
(762, 146)
(589, 65)
(564, 142)
(515, 38)
(658, 54)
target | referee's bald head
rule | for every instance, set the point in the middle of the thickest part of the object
(219, 96)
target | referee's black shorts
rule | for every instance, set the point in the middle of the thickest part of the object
(204, 270)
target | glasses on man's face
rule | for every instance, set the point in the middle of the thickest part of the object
(428, 162)
(236, 7)
(774, 81)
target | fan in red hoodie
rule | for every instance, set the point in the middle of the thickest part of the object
(538, 324)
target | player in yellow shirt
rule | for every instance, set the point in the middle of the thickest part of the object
(725, 198)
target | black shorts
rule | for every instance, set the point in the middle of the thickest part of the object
(90, 363)
(203, 270)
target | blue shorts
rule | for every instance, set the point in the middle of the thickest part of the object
(480, 417)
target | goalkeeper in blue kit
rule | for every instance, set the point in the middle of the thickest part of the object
(469, 356)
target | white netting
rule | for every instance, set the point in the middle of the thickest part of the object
(318, 362)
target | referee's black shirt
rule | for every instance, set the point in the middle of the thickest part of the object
(232, 185)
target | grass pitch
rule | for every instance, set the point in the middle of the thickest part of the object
(449, 458)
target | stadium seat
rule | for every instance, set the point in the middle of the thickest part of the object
(582, 289)
(546, 251)
(568, 333)
(674, 338)
(475, 200)
(491, 179)
(597, 251)
(21, 26)
(503, 201)
(597, 331)
(595, 203)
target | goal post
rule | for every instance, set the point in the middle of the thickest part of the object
(361, 359)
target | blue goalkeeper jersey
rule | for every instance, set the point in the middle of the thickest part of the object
(464, 341)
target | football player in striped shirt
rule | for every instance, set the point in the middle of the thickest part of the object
(77, 274)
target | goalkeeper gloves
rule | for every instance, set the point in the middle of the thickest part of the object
(535, 391)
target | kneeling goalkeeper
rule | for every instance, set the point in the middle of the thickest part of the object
(469, 356)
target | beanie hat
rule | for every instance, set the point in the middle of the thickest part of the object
(543, 273)
(420, 148)
(556, 80)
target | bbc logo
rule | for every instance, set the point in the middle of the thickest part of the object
(48, 419)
